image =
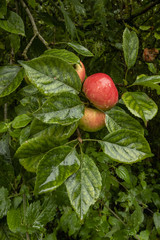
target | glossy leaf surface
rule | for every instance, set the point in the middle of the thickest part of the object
(80, 49)
(130, 47)
(52, 75)
(84, 186)
(63, 54)
(10, 79)
(32, 150)
(140, 105)
(13, 24)
(117, 119)
(126, 146)
(149, 81)
(123, 173)
(55, 167)
(21, 121)
(63, 109)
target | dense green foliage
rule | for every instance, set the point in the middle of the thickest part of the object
(57, 181)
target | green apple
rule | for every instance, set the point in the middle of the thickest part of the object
(92, 121)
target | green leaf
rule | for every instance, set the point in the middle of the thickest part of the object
(6, 234)
(156, 219)
(63, 109)
(3, 8)
(14, 219)
(137, 217)
(55, 167)
(3, 127)
(47, 213)
(70, 26)
(5, 202)
(157, 35)
(117, 119)
(84, 186)
(148, 81)
(15, 42)
(63, 54)
(6, 173)
(80, 49)
(4, 146)
(69, 222)
(126, 146)
(13, 23)
(32, 3)
(32, 150)
(79, 8)
(52, 75)
(123, 173)
(10, 79)
(145, 28)
(51, 236)
(140, 105)
(21, 121)
(33, 218)
(152, 68)
(130, 47)
(144, 235)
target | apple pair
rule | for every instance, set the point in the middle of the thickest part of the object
(101, 91)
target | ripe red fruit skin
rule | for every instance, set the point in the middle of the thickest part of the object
(100, 90)
(92, 121)
(80, 69)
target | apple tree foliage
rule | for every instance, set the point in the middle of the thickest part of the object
(57, 181)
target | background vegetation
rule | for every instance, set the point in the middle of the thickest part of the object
(119, 38)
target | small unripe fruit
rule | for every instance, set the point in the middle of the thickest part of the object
(100, 90)
(92, 121)
(80, 69)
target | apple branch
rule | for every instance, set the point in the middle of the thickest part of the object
(35, 31)
(139, 12)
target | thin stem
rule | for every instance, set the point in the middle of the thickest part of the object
(125, 79)
(75, 140)
(91, 140)
(115, 215)
(35, 30)
(5, 111)
(27, 47)
(79, 136)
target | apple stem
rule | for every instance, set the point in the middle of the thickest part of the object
(79, 136)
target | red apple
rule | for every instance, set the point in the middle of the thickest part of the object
(92, 120)
(100, 90)
(80, 69)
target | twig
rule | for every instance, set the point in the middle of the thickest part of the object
(35, 30)
(24, 54)
(139, 12)
(145, 9)
(5, 111)
(115, 215)
(6, 105)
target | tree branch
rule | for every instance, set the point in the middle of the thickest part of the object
(139, 12)
(145, 9)
(35, 31)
